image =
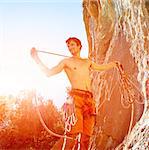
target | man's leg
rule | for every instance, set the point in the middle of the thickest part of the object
(85, 139)
(76, 129)
(88, 127)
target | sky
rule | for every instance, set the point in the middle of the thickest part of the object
(44, 25)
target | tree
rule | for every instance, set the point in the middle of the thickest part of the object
(25, 130)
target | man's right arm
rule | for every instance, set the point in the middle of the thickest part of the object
(49, 72)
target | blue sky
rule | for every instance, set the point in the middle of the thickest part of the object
(41, 1)
(44, 25)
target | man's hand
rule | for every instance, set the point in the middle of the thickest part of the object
(34, 53)
(117, 64)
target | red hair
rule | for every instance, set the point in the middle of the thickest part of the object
(76, 40)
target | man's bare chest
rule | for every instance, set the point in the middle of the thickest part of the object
(78, 66)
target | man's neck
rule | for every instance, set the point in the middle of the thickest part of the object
(77, 56)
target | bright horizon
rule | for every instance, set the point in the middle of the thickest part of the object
(45, 26)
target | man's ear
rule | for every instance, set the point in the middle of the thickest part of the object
(79, 47)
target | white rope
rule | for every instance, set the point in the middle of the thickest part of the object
(78, 138)
(52, 53)
(45, 126)
(79, 141)
(70, 121)
(64, 143)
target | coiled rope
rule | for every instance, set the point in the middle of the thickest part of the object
(70, 121)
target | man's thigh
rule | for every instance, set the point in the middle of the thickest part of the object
(88, 125)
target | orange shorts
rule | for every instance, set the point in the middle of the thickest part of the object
(84, 111)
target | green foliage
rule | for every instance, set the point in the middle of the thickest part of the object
(25, 130)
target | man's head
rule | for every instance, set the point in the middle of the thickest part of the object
(74, 45)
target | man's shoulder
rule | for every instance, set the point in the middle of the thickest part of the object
(66, 61)
(72, 60)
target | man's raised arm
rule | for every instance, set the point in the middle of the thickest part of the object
(49, 72)
(104, 67)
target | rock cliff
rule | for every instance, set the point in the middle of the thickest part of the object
(118, 31)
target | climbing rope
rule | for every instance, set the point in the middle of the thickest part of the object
(52, 53)
(127, 90)
(69, 122)
(69, 119)
(43, 123)
(69, 114)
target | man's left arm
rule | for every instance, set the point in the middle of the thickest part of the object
(104, 67)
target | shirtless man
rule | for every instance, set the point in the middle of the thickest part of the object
(77, 70)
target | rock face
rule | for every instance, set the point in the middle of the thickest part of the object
(118, 31)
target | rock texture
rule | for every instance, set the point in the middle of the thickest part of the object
(117, 30)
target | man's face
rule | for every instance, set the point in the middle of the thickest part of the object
(73, 47)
